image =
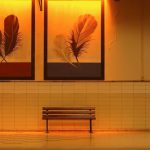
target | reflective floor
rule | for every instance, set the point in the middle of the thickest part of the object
(75, 141)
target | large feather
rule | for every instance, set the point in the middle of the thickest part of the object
(81, 34)
(11, 34)
(61, 49)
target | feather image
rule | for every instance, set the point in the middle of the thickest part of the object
(81, 34)
(1, 38)
(1, 47)
(11, 34)
(61, 49)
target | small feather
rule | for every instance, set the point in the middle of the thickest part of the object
(11, 34)
(81, 34)
(61, 49)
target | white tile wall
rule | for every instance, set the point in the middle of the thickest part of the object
(119, 105)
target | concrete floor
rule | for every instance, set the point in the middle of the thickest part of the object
(75, 141)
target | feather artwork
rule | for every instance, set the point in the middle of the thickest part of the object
(1, 38)
(11, 34)
(81, 34)
(1, 47)
(61, 49)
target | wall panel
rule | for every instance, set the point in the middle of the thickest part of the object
(119, 106)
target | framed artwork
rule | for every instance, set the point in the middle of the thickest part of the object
(74, 40)
(17, 39)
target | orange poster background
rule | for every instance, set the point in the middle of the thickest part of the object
(62, 15)
(22, 9)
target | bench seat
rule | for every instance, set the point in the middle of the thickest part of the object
(68, 113)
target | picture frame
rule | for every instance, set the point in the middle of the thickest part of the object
(54, 70)
(18, 45)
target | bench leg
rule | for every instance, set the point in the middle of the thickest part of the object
(46, 125)
(91, 126)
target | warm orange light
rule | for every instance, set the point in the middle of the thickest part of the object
(82, 6)
(18, 3)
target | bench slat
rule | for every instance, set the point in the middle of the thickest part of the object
(68, 108)
(69, 118)
(68, 112)
(55, 117)
(67, 115)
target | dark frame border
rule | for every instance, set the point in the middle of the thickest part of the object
(32, 49)
(102, 45)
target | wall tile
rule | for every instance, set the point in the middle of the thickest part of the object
(122, 105)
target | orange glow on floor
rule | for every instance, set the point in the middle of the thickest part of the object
(74, 140)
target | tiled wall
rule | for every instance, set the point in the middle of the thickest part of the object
(119, 105)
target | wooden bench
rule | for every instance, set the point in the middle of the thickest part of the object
(69, 113)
